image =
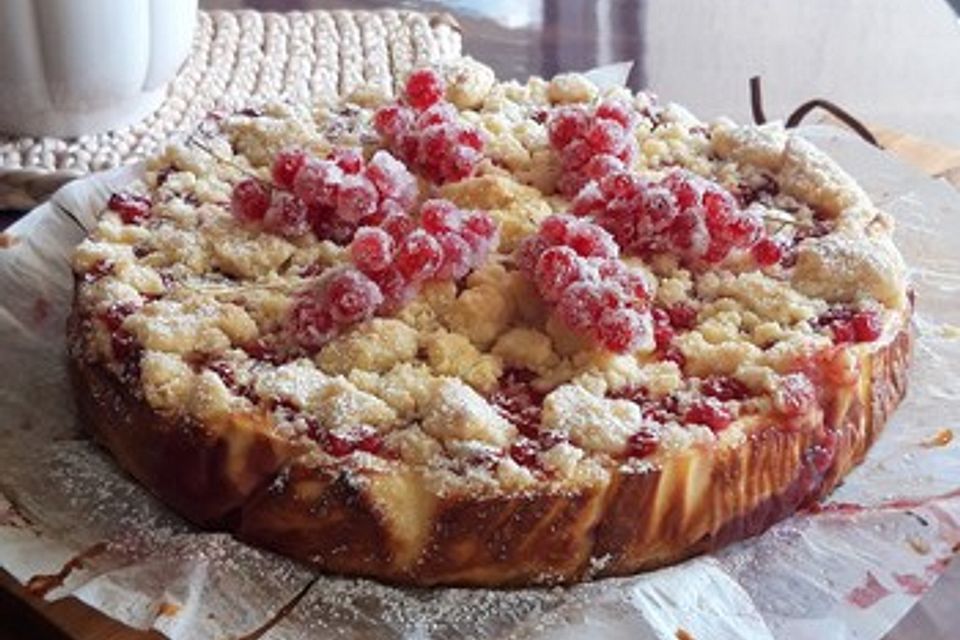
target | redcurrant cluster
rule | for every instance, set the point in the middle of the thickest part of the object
(576, 267)
(390, 262)
(332, 196)
(593, 143)
(424, 131)
(683, 214)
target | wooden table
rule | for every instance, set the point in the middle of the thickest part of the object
(674, 42)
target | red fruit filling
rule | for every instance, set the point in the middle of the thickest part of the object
(131, 208)
(641, 444)
(709, 412)
(519, 402)
(849, 325)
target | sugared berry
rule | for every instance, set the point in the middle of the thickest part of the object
(767, 252)
(286, 164)
(317, 183)
(351, 296)
(249, 200)
(423, 89)
(357, 198)
(419, 256)
(349, 159)
(371, 249)
(286, 215)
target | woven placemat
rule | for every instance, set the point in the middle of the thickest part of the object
(239, 58)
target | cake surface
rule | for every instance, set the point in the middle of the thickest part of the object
(488, 333)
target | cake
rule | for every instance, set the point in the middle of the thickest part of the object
(488, 333)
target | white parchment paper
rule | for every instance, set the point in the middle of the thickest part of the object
(72, 524)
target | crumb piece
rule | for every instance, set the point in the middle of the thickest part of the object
(918, 544)
(7, 240)
(941, 438)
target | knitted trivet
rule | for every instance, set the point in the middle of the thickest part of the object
(240, 58)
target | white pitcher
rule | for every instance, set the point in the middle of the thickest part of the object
(73, 67)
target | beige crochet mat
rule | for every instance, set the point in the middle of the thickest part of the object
(240, 58)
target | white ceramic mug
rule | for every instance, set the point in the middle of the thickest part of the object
(74, 67)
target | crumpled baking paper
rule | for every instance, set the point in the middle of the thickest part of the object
(72, 524)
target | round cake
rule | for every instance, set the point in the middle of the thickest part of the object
(488, 333)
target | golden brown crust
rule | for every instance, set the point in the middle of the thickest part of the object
(696, 501)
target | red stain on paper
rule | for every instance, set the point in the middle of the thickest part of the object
(41, 310)
(868, 594)
(911, 583)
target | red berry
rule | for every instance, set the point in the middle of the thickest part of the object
(591, 241)
(392, 120)
(249, 200)
(286, 215)
(682, 316)
(621, 184)
(524, 452)
(589, 201)
(616, 110)
(349, 160)
(356, 199)
(398, 225)
(440, 113)
(440, 216)
(424, 88)
(566, 124)
(393, 286)
(642, 444)
(556, 229)
(481, 223)
(606, 136)
(709, 412)
(575, 155)
(131, 208)
(310, 322)
(327, 225)
(459, 163)
(456, 256)
(286, 164)
(351, 296)
(317, 183)
(371, 249)
(621, 330)
(471, 138)
(557, 269)
(767, 252)
(867, 326)
(602, 165)
(419, 256)
(391, 178)
(528, 253)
